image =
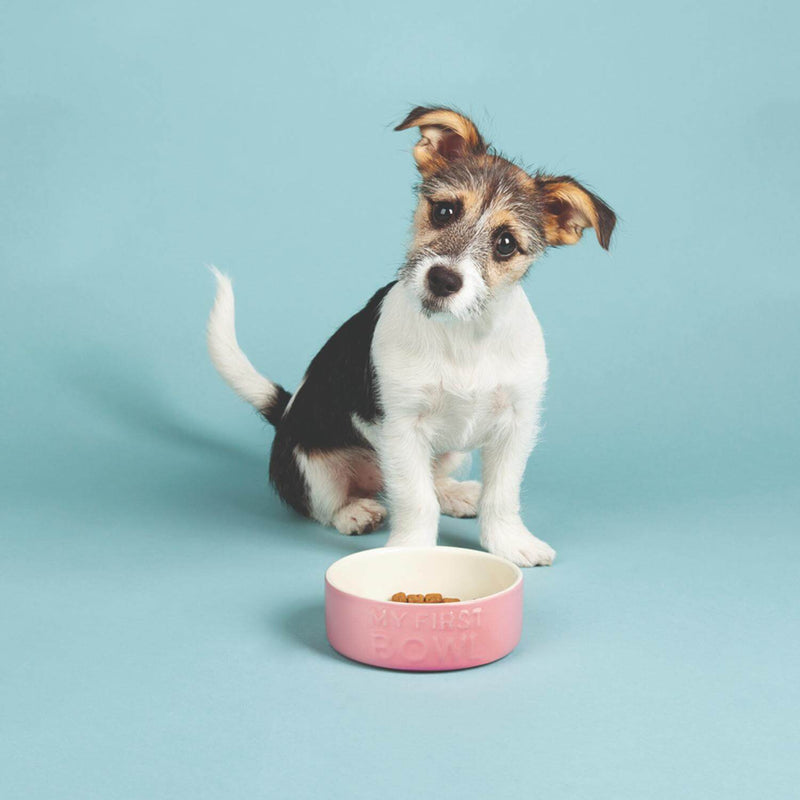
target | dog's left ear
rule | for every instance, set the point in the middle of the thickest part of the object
(569, 208)
(446, 135)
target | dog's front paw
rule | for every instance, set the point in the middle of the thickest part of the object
(458, 498)
(518, 544)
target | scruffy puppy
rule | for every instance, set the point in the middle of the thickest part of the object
(447, 358)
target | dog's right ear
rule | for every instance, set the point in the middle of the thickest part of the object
(446, 135)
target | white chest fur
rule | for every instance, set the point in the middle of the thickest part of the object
(457, 379)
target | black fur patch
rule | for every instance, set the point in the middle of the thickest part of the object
(273, 412)
(339, 381)
(285, 476)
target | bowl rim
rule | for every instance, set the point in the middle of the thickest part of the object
(388, 550)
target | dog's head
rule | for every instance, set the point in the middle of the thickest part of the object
(481, 220)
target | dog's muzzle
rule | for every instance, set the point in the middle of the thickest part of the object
(443, 282)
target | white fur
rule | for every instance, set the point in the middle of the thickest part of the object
(449, 384)
(341, 484)
(469, 299)
(360, 515)
(226, 355)
(456, 498)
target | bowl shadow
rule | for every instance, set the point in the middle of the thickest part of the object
(304, 625)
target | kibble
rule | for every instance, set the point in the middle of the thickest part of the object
(431, 597)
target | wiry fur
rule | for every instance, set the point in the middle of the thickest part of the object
(426, 372)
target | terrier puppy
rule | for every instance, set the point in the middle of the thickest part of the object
(446, 359)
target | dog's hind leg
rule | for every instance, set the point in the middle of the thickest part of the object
(456, 498)
(341, 486)
(359, 515)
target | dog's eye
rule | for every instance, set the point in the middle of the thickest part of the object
(505, 244)
(443, 213)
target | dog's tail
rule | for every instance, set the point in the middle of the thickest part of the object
(269, 398)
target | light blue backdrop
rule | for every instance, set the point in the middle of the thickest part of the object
(163, 631)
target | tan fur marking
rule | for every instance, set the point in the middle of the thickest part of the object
(476, 199)
(568, 211)
(437, 126)
(499, 272)
(514, 268)
(446, 118)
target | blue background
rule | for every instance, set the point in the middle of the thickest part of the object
(162, 613)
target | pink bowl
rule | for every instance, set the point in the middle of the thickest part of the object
(365, 625)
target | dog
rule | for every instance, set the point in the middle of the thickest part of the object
(446, 359)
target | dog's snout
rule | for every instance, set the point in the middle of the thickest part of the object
(443, 281)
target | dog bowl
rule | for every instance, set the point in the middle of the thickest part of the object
(365, 625)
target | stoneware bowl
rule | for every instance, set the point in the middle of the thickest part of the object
(365, 625)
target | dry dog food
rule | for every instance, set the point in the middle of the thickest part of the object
(431, 597)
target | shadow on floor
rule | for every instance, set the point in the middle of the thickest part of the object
(133, 398)
(305, 626)
(155, 459)
(173, 467)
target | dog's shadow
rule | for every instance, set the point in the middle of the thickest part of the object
(133, 399)
(459, 533)
(219, 483)
(179, 465)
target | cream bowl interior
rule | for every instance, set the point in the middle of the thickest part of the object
(452, 571)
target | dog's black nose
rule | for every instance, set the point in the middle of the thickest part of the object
(443, 282)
